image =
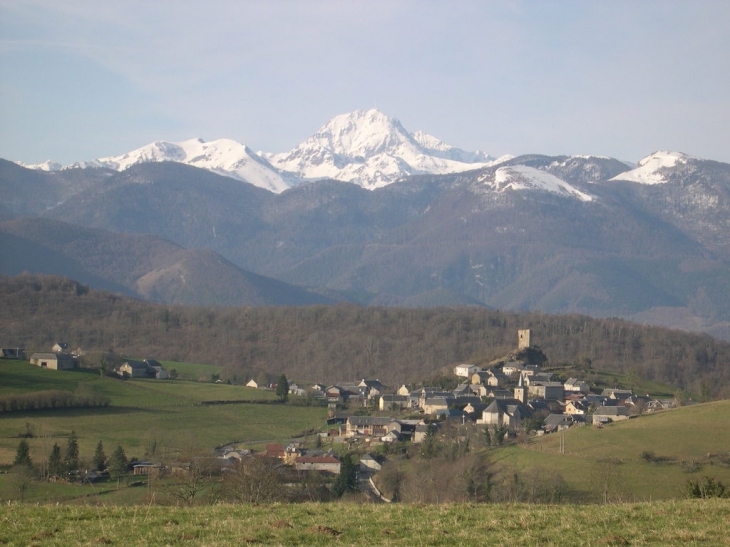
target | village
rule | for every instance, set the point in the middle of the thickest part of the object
(512, 397)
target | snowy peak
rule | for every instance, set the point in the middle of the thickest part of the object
(368, 148)
(654, 168)
(522, 177)
(47, 165)
(362, 133)
(224, 156)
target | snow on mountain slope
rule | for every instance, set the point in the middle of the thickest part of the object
(223, 156)
(368, 148)
(47, 165)
(652, 168)
(521, 177)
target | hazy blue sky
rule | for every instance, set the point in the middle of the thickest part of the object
(85, 79)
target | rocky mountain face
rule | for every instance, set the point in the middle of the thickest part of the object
(579, 234)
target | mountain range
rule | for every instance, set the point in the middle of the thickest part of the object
(365, 211)
(365, 147)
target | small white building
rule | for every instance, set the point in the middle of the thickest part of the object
(466, 370)
(53, 361)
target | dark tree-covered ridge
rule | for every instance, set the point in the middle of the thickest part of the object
(346, 342)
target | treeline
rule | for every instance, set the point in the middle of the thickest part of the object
(52, 399)
(347, 342)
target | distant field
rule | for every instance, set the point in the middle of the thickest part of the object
(680, 441)
(192, 371)
(662, 524)
(144, 413)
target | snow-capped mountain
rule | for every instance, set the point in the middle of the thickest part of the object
(370, 149)
(223, 156)
(364, 147)
(47, 165)
(654, 168)
(521, 177)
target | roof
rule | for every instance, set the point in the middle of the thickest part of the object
(135, 364)
(558, 419)
(368, 420)
(275, 449)
(611, 411)
(394, 398)
(316, 459)
(439, 401)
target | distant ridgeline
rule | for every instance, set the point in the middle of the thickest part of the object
(318, 342)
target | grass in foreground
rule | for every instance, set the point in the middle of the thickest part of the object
(685, 523)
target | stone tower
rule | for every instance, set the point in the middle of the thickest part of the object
(523, 338)
(521, 390)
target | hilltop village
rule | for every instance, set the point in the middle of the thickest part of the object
(514, 396)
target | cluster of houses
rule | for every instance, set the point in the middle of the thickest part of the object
(149, 368)
(62, 358)
(506, 396)
(293, 455)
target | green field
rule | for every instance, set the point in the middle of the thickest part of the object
(679, 440)
(144, 413)
(193, 371)
(674, 523)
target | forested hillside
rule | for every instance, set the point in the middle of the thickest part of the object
(345, 342)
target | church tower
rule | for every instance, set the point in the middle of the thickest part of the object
(521, 390)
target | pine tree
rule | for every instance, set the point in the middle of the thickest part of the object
(346, 481)
(118, 462)
(22, 455)
(99, 457)
(55, 465)
(282, 388)
(71, 457)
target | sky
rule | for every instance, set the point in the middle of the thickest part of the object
(86, 79)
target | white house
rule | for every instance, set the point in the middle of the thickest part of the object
(466, 370)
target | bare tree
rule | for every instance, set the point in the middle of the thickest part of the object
(606, 480)
(191, 478)
(254, 480)
(21, 481)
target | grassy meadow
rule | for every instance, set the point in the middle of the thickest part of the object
(683, 523)
(166, 414)
(650, 457)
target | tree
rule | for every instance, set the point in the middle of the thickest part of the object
(118, 462)
(707, 488)
(21, 480)
(391, 478)
(71, 457)
(346, 481)
(429, 446)
(282, 388)
(254, 480)
(189, 482)
(55, 465)
(606, 480)
(22, 454)
(499, 434)
(99, 457)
